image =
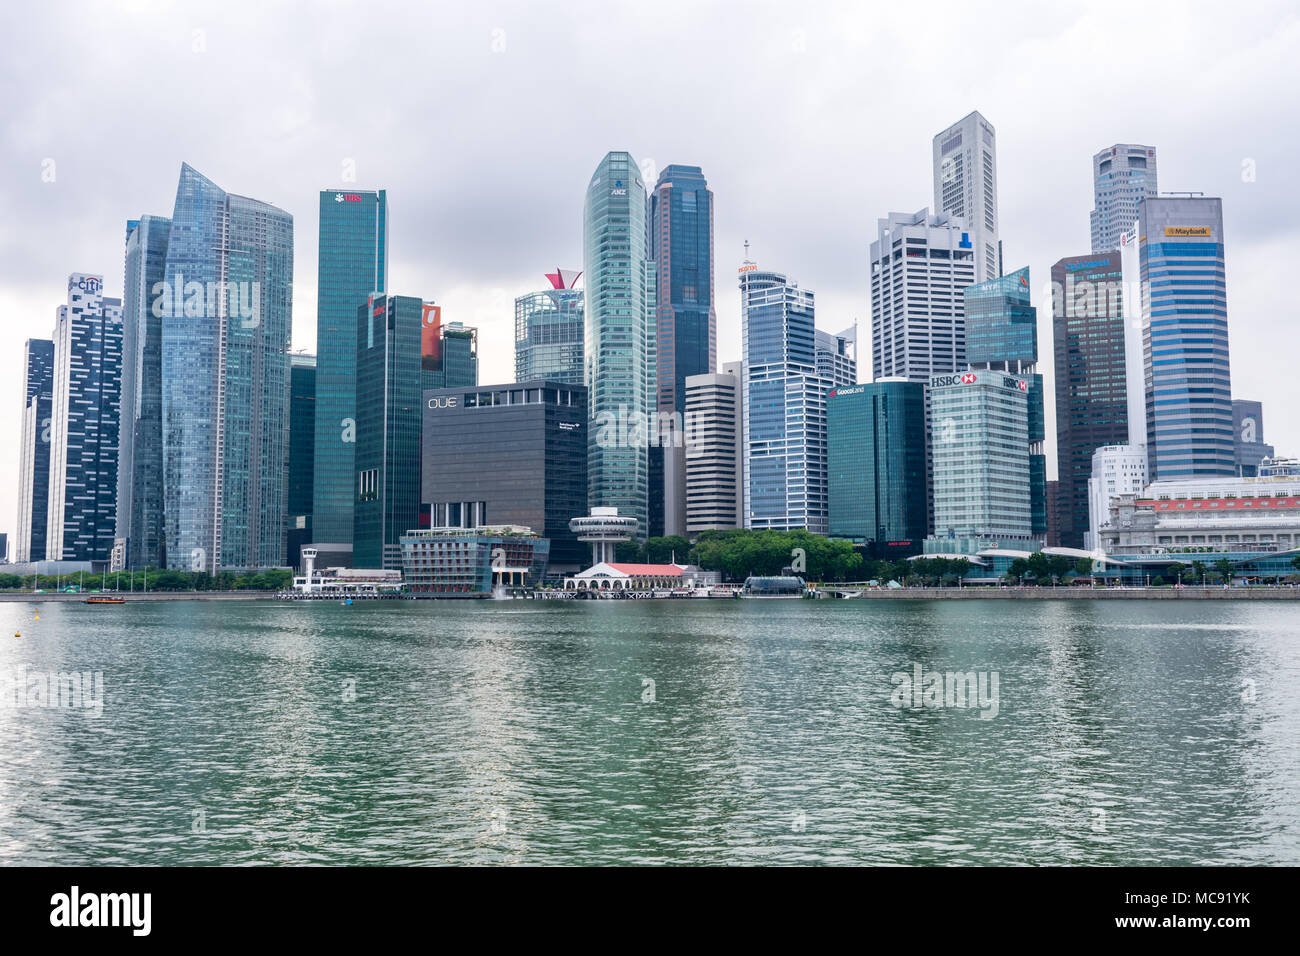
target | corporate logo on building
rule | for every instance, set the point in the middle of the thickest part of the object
(850, 390)
(974, 378)
(619, 189)
(87, 284)
(347, 197)
(446, 401)
(1184, 232)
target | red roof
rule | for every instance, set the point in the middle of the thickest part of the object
(649, 570)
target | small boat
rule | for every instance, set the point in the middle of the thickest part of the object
(104, 599)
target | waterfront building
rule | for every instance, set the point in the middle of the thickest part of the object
(619, 341)
(876, 465)
(1116, 470)
(549, 331)
(837, 356)
(226, 315)
(613, 576)
(352, 265)
(84, 423)
(604, 529)
(1185, 338)
(715, 458)
(302, 454)
(508, 454)
(966, 185)
(980, 449)
(138, 533)
(784, 405)
(37, 379)
(1249, 447)
(471, 562)
(1092, 378)
(1122, 176)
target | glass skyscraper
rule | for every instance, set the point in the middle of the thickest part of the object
(226, 315)
(84, 423)
(619, 342)
(875, 438)
(549, 331)
(352, 265)
(1185, 338)
(139, 522)
(302, 452)
(34, 450)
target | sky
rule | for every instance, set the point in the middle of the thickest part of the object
(485, 121)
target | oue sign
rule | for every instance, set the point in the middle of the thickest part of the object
(447, 401)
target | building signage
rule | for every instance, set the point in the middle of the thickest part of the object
(973, 378)
(1184, 232)
(850, 390)
(347, 197)
(446, 401)
(90, 284)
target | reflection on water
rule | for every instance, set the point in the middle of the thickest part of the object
(653, 732)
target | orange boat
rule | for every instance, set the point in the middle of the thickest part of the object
(104, 599)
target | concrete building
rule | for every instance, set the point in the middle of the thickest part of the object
(471, 562)
(1116, 470)
(714, 452)
(1122, 176)
(837, 356)
(1248, 427)
(966, 185)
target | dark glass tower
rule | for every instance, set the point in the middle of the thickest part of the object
(352, 265)
(34, 450)
(302, 450)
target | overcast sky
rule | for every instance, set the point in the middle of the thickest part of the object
(484, 121)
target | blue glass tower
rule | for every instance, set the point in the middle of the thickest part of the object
(352, 265)
(34, 450)
(1185, 338)
(302, 452)
(549, 332)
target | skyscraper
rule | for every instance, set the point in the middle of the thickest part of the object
(1248, 427)
(1185, 338)
(549, 331)
(619, 345)
(302, 453)
(84, 423)
(1122, 176)
(837, 356)
(352, 265)
(714, 454)
(784, 402)
(1091, 380)
(139, 522)
(966, 185)
(37, 382)
(226, 314)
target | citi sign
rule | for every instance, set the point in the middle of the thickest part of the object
(87, 284)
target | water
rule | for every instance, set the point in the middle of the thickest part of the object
(523, 732)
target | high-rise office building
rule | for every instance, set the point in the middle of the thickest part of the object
(302, 454)
(714, 451)
(1002, 335)
(37, 381)
(549, 331)
(837, 356)
(352, 265)
(681, 245)
(784, 404)
(139, 522)
(1088, 334)
(966, 185)
(1122, 176)
(1116, 470)
(509, 455)
(453, 359)
(84, 423)
(1185, 338)
(1248, 427)
(619, 342)
(876, 465)
(226, 315)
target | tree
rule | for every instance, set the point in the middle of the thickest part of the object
(663, 550)
(1018, 569)
(1083, 567)
(1224, 568)
(1199, 570)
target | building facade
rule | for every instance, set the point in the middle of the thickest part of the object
(1185, 338)
(876, 465)
(1249, 445)
(1117, 470)
(85, 419)
(619, 342)
(352, 265)
(508, 454)
(966, 185)
(1122, 176)
(837, 356)
(302, 454)
(549, 331)
(715, 458)
(471, 562)
(37, 381)
(226, 313)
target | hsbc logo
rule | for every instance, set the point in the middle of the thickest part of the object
(970, 378)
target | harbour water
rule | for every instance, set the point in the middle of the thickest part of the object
(700, 732)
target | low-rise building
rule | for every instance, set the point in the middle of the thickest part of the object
(471, 562)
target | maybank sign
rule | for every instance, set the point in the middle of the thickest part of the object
(1188, 232)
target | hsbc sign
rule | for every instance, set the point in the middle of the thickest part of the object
(978, 378)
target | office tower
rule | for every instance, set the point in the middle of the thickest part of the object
(837, 356)
(980, 449)
(226, 314)
(352, 265)
(37, 381)
(966, 185)
(681, 245)
(1185, 338)
(4, 547)
(549, 330)
(302, 454)
(449, 352)
(139, 521)
(1116, 470)
(1122, 176)
(84, 423)
(619, 346)
(1088, 337)
(1249, 446)
(1002, 335)
(1053, 537)
(714, 452)
(508, 455)
(875, 436)
(784, 405)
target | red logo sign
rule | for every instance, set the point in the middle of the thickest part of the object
(969, 378)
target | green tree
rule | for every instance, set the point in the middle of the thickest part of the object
(663, 550)
(1199, 571)
(1224, 569)
(1017, 570)
(1083, 567)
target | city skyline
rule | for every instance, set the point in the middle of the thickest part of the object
(808, 227)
